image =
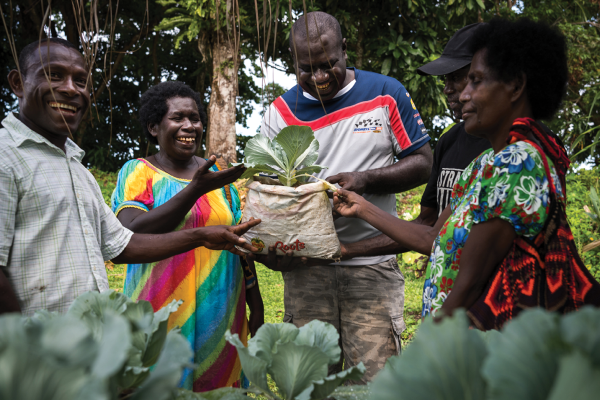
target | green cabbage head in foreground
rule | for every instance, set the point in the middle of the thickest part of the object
(297, 359)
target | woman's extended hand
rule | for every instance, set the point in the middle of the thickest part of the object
(206, 181)
(222, 237)
(348, 204)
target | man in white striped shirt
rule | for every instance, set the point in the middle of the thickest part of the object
(55, 229)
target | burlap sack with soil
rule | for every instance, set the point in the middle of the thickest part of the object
(297, 219)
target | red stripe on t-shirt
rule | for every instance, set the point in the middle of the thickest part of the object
(349, 112)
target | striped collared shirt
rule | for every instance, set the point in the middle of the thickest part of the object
(55, 228)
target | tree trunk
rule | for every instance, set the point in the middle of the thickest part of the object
(359, 46)
(66, 9)
(221, 138)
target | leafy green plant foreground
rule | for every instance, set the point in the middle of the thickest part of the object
(101, 349)
(585, 229)
(537, 356)
(297, 360)
(291, 155)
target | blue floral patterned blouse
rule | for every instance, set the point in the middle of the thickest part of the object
(511, 185)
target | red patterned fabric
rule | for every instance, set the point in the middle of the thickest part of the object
(545, 271)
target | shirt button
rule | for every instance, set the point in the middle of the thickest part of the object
(78, 196)
(94, 267)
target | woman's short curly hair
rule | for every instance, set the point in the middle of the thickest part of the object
(531, 48)
(153, 104)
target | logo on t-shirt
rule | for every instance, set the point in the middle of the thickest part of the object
(447, 178)
(368, 125)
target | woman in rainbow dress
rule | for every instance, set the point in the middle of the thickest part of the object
(176, 190)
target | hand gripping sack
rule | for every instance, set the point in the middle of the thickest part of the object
(293, 218)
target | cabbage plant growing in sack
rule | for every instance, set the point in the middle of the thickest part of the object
(297, 359)
(296, 215)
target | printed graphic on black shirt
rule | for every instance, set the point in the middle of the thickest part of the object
(447, 178)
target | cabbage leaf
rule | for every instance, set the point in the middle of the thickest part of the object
(297, 359)
(291, 155)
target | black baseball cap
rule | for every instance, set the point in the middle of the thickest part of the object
(456, 54)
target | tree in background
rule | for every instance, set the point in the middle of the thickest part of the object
(215, 26)
(220, 26)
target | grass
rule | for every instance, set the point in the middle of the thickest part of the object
(271, 290)
(116, 275)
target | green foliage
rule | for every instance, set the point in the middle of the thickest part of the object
(585, 229)
(456, 357)
(538, 355)
(594, 214)
(107, 182)
(104, 345)
(296, 359)
(291, 155)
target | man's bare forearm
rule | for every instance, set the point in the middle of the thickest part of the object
(376, 246)
(408, 173)
(8, 299)
(144, 248)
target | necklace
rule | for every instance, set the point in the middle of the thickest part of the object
(163, 168)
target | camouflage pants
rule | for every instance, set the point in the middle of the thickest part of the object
(365, 304)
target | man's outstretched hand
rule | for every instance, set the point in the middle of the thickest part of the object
(354, 181)
(222, 237)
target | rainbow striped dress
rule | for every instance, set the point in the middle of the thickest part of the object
(210, 282)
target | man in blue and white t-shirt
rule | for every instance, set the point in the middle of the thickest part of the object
(362, 121)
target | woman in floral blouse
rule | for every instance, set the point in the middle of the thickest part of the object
(503, 243)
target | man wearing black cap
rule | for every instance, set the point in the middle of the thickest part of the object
(456, 149)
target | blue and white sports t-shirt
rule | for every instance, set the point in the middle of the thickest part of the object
(360, 130)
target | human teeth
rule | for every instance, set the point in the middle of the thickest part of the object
(54, 104)
(185, 139)
(323, 86)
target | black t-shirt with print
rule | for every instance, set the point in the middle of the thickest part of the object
(453, 153)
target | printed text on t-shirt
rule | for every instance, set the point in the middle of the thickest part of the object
(446, 181)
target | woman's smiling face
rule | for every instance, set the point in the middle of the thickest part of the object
(180, 132)
(487, 101)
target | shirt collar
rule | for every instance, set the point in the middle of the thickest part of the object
(342, 91)
(22, 133)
